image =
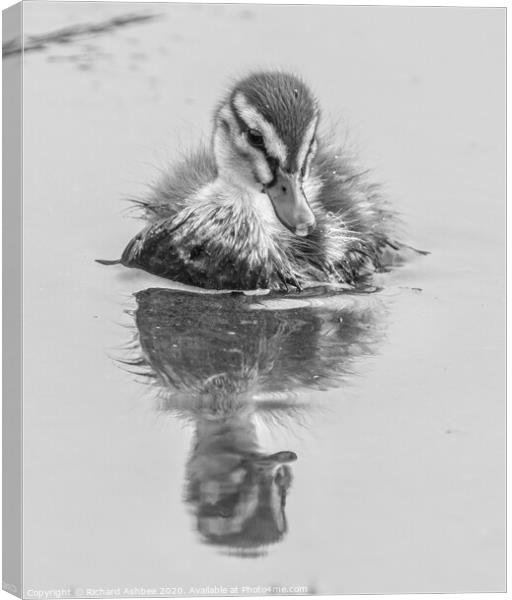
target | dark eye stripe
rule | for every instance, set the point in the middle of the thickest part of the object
(272, 162)
(311, 143)
(308, 158)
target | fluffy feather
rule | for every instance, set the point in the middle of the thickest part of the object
(209, 230)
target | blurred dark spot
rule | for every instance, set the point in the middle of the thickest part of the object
(196, 252)
(246, 14)
(452, 431)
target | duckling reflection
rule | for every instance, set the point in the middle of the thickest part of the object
(226, 362)
(238, 493)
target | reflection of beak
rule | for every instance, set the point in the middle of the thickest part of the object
(274, 460)
(290, 203)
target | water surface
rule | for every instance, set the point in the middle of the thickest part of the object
(343, 443)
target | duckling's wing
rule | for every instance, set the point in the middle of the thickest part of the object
(370, 228)
(194, 247)
(154, 249)
(178, 184)
(348, 191)
(182, 248)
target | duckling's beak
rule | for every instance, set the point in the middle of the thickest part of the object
(290, 203)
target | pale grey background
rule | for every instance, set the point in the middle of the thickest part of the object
(400, 482)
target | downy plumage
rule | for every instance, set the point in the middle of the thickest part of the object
(271, 203)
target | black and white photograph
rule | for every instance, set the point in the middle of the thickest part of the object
(254, 299)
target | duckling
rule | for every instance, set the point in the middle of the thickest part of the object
(270, 204)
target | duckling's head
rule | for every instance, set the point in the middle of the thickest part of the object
(265, 138)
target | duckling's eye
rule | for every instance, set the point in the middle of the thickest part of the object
(255, 138)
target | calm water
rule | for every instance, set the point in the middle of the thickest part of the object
(337, 443)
